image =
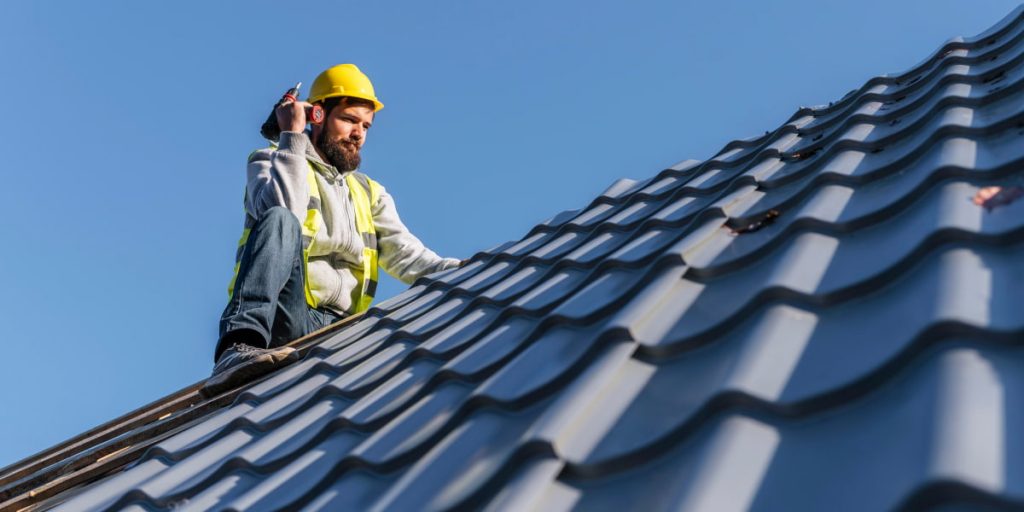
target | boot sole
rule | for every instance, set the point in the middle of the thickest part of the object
(247, 372)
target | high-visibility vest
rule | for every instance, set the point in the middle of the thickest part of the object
(364, 193)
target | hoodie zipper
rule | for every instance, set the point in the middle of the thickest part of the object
(338, 194)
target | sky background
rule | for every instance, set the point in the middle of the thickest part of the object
(128, 125)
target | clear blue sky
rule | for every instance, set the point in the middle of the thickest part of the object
(128, 124)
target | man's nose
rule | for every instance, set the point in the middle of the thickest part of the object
(358, 132)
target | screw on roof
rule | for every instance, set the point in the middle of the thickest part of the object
(799, 155)
(991, 197)
(758, 223)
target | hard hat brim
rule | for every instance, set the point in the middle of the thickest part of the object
(377, 105)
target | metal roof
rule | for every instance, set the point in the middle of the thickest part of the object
(817, 318)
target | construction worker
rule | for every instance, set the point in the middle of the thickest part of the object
(316, 230)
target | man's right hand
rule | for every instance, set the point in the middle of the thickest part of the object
(291, 115)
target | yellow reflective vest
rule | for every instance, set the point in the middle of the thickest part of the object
(364, 193)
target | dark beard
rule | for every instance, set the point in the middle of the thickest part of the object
(344, 157)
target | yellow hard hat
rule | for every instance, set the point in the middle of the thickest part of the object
(343, 80)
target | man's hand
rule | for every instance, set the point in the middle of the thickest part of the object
(291, 116)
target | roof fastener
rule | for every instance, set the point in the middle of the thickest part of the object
(991, 197)
(764, 220)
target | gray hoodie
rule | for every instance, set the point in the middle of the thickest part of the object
(277, 177)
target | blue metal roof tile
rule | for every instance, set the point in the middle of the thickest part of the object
(598, 246)
(495, 344)
(554, 286)
(391, 395)
(600, 294)
(438, 316)
(559, 219)
(521, 279)
(642, 246)
(487, 276)
(565, 242)
(462, 331)
(413, 429)
(529, 243)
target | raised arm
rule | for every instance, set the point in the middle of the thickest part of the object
(278, 177)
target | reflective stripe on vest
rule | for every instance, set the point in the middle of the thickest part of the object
(364, 192)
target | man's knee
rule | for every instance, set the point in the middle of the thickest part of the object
(279, 218)
(279, 214)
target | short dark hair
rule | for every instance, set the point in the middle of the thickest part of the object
(347, 101)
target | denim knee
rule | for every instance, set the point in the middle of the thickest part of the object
(279, 214)
(279, 218)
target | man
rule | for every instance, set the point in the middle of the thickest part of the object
(315, 231)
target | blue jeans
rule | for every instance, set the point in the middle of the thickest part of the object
(268, 305)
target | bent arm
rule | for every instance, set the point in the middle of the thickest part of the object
(277, 177)
(401, 254)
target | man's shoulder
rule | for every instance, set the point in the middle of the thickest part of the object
(261, 153)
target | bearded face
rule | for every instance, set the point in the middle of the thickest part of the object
(343, 132)
(341, 152)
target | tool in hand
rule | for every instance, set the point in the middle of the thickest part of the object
(270, 129)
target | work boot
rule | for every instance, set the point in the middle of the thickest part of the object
(242, 363)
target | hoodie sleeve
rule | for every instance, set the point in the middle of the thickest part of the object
(277, 177)
(400, 253)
